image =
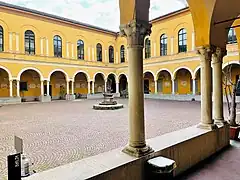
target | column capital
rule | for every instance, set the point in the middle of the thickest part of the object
(135, 31)
(218, 55)
(205, 52)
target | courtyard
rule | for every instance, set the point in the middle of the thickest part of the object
(61, 132)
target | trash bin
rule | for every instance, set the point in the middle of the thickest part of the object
(160, 168)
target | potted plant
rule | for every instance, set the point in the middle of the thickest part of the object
(230, 89)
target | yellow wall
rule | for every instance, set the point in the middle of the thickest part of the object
(4, 84)
(13, 58)
(183, 79)
(81, 84)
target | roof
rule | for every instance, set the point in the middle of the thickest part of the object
(47, 15)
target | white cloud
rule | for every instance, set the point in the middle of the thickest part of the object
(102, 13)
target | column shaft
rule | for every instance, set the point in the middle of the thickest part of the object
(18, 88)
(72, 87)
(206, 88)
(105, 86)
(89, 87)
(67, 87)
(93, 87)
(194, 86)
(173, 86)
(11, 88)
(42, 88)
(48, 88)
(156, 87)
(117, 87)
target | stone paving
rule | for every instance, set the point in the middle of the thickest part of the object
(60, 132)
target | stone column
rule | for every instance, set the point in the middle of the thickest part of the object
(93, 87)
(206, 88)
(18, 88)
(89, 87)
(105, 86)
(217, 86)
(42, 88)
(48, 88)
(11, 88)
(136, 33)
(156, 87)
(173, 86)
(72, 87)
(117, 87)
(194, 86)
(67, 87)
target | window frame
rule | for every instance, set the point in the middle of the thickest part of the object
(111, 54)
(147, 48)
(163, 45)
(80, 49)
(1, 39)
(58, 40)
(232, 36)
(29, 40)
(182, 40)
(122, 53)
(99, 52)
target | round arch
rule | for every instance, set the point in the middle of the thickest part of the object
(30, 68)
(103, 75)
(164, 69)
(229, 63)
(182, 67)
(196, 71)
(115, 75)
(122, 74)
(81, 71)
(60, 70)
(9, 73)
(151, 72)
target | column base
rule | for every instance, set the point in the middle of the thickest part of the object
(220, 122)
(45, 98)
(207, 126)
(138, 152)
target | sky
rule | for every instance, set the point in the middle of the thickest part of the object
(101, 13)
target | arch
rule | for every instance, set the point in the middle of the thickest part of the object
(115, 75)
(94, 76)
(81, 71)
(9, 73)
(164, 69)
(60, 70)
(122, 74)
(182, 67)
(149, 71)
(229, 63)
(182, 25)
(30, 68)
(196, 71)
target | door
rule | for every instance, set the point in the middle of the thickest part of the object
(146, 86)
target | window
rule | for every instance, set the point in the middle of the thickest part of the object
(1, 39)
(80, 49)
(57, 42)
(182, 40)
(163, 45)
(99, 52)
(122, 54)
(147, 48)
(232, 38)
(111, 54)
(29, 42)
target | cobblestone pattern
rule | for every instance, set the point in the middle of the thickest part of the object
(61, 132)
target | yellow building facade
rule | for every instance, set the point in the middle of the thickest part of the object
(42, 55)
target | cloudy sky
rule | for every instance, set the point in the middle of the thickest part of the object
(102, 13)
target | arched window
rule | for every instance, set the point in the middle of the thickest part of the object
(163, 45)
(147, 48)
(232, 38)
(57, 42)
(1, 39)
(122, 54)
(29, 42)
(99, 52)
(182, 40)
(111, 54)
(80, 49)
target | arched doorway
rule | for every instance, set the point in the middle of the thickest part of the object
(111, 83)
(80, 85)
(198, 81)
(164, 82)
(123, 83)
(232, 73)
(149, 84)
(99, 83)
(30, 85)
(4, 83)
(58, 85)
(183, 82)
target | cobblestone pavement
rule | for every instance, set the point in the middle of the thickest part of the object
(61, 132)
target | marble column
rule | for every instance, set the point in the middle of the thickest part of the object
(217, 86)
(48, 88)
(105, 85)
(89, 87)
(194, 87)
(67, 87)
(173, 87)
(206, 88)
(156, 87)
(135, 33)
(117, 87)
(93, 87)
(18, 88)
(42, 88)
(11, 88)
